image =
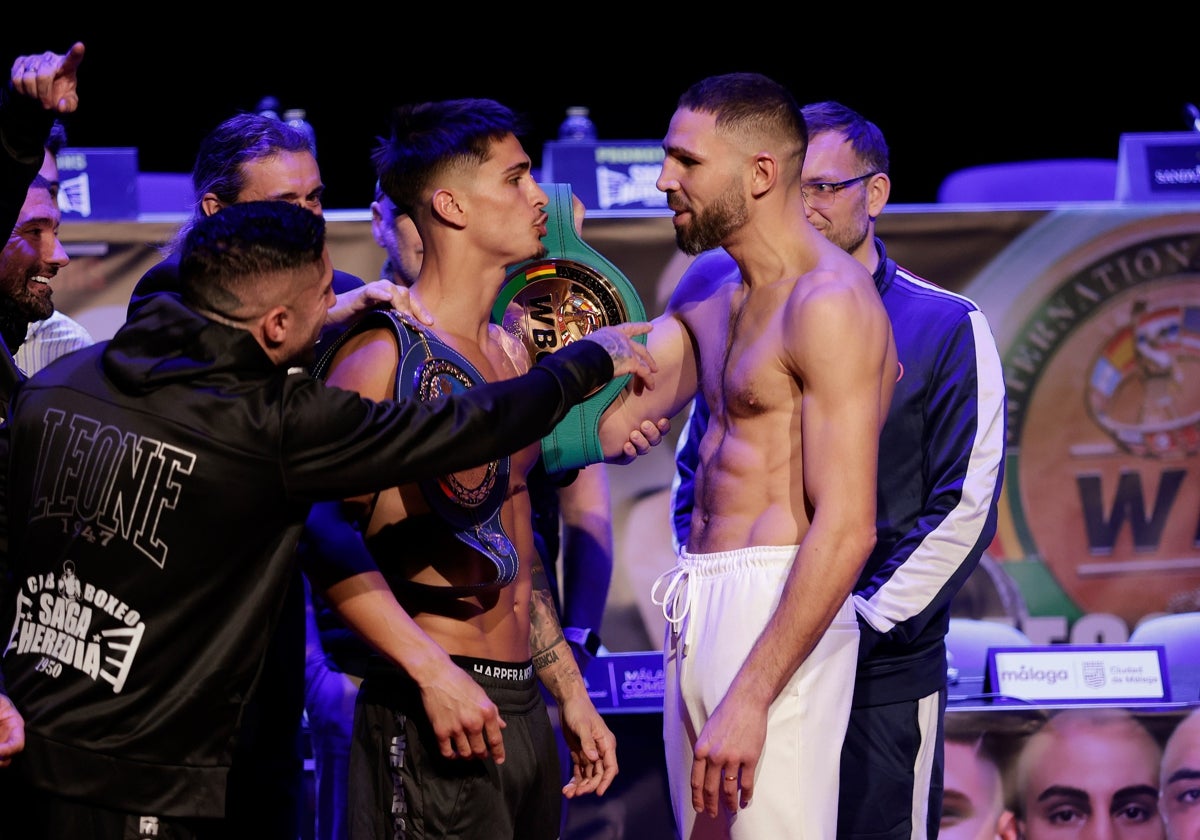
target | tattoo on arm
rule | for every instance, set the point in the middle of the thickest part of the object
(544, 660)
(618, 350)
(545, 631)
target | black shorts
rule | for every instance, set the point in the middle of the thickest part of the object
(27, 813)
(402, 787)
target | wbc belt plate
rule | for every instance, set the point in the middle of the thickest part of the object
(551, 301)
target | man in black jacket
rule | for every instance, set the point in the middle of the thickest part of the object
(157, 485)
(252, 157)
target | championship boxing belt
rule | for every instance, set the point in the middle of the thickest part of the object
(554, 300)
(469, 500)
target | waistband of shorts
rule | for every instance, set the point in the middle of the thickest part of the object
(512, 686)
(486, 672)
(718, 562)
(489, 672)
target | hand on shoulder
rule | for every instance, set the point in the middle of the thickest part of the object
(378, 294)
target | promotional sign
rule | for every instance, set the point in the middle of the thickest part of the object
(1159, 167)
(627, 682)
(1097, 318)
(97, 184)
(1079, 673)
(610, 174)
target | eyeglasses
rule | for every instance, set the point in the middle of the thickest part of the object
(822, 196)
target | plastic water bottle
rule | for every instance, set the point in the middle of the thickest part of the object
(296, 118)
(268, 106)
(578, 126)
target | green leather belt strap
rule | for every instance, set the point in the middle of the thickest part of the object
(550, 302)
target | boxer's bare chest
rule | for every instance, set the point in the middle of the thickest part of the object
(742, 347)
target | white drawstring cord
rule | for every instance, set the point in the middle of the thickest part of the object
(676, 581)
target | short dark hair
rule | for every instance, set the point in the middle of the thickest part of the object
(224, 253)
(865, 138)
(747, 101)
(430, 137)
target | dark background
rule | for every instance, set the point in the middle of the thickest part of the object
(1008, 86)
